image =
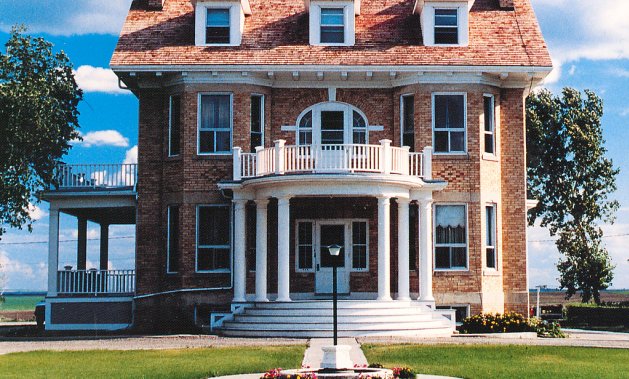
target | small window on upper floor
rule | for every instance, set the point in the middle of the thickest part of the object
(332, 24)
(446, 27)
(217, 28)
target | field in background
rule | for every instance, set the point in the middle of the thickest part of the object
(19, 308)
(558, 297)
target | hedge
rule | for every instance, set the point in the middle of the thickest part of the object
(584, 314)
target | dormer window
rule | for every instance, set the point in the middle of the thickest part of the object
(219, 22)
(332, 25)
(217, 26)
(446, 27)
(332, 21)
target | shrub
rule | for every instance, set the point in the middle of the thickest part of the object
(547, 329)
(593, 315)
(403, 372)
(509, 322)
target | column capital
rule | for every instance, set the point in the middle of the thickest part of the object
(382, 199)
(403, 201)
(239, 203)
(425, 203)
(285, 200)
(261, 203)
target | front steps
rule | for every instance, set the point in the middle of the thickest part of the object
(313, 319)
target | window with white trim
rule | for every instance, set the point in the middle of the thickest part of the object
(172, 239)
(305, 246)
(304, 129)
(407, 117)
(174, 126)
(257, 121)
(490, 236)
(450, 233)
(213, 238)
(489, 126)
(449, 123)
(360, 246)
(215, 124)
(446, 26)
(217, 26)
(359, 128)
(332, 25)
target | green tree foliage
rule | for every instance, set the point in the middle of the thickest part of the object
(38, 119)
(573, 180)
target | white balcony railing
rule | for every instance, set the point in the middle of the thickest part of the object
(97, 175)
(96, 281)
(282, 159)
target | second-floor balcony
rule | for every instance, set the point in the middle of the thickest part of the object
(73, 177)
(284, 159)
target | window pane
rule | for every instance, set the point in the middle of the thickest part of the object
(359, 257)
(206, 142)
(359, 233)
(456, 111)
(445, 17)
(489, 114)
(450, 215)
(256, 140)
(491, 257)
(214, 226)
(306, 121)
(441, 142)
(305, 233)
(332, 34)
(173, 239)
(446, 36)
(461, 313)
(216, 35)
(358, 120)
(218, 17)
(174, 122)
(332, 16)
(457, 141)
(305, 257)
(332, 120)
(441, 111)
(213, 259)
(304, 241)
(489, 216)
(223, 142)
(305, 137)
(360, 136)
(459, 257)
(256, 113)
(489, 143)
(332, 137)
(442, 257)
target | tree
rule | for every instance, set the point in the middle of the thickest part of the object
(38, 119)
(573, 180)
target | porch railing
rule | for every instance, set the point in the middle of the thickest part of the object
(97, 175)
(282, 159)
(96, 281)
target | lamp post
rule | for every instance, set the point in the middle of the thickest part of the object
(334, 252)
(539, 288)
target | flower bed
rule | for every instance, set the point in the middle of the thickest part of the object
(510, 322)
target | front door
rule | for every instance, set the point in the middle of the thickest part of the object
(332, 233)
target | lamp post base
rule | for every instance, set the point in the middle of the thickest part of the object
(336, 357)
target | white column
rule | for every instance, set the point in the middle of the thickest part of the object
(384, 247)
(237, 173)
(403, 291)
(425, 250)
(240, 261)
(261, 250)
(53, 250)
(283, 249)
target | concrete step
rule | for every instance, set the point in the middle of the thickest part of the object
(342, 304)
(355, 326)
(327, 318)
(433, 332)
(314, 312)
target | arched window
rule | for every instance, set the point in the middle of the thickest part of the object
(332, 123)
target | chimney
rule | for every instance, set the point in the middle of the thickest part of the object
(155, 5)
(506, 3)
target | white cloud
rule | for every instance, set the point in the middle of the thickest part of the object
(98, 79)
(104, 138)
(13, 266)
(132, 155)
(36, 212)
(594, 30)
(65, 17)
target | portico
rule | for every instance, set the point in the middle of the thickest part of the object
(408, 191)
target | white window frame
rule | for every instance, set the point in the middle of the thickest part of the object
(433, 106)
(297, 260)
(229, 246)
(428, 22)
(236, 22)
(348, 130)
(262, 121)
(467, 238)
(349, 225)
(168, 213)
(494, 236)
(349, 23)
(402, 123)
(455, 27)
(170, 119)
(493, 125)
(231, 123)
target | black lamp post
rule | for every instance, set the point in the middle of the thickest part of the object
(334, 252)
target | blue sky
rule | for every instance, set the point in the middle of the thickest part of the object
(589, 42)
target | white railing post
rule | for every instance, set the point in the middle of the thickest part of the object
(385, 157)
(237, 163)
(279, 156)
(427, 169)
(260, 161)
(405, 161)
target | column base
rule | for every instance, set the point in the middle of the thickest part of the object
(403, 298)
(261, 300)
(283, 299)
(384, 298)
(239, 300)
(336, 357)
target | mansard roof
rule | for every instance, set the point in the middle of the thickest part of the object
(276, 33)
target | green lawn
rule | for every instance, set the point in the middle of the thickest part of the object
(182, 363)
(495, 361)
(20, 303)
